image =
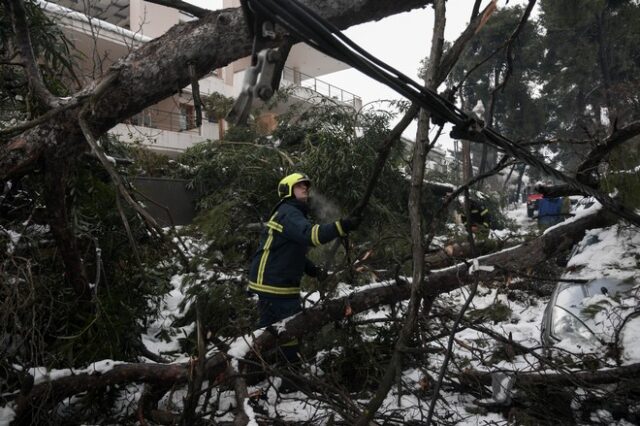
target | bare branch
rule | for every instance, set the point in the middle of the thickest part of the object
(476, 8)
(617, 138)
(512, 39)
(383, 154)
(452, 55)
(594, 158)
(117, 181)
(599, 377)
(507, 43)
(420, 149)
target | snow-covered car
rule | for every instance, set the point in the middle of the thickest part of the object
(598, 303)
(571, 315)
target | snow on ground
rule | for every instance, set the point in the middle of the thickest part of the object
(518, 213)
(613, 253)
(161, 337)
(6, 415)
(610, 252)
(616, 255)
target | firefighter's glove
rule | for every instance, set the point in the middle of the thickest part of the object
(351, 223)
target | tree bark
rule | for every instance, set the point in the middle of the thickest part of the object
(56, 172)
(160, 68)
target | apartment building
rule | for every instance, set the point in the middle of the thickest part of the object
(106, 30)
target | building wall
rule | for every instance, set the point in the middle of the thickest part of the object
(165, 142)
(152, 20)
(168, 126)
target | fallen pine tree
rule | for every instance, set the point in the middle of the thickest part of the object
(165, 376)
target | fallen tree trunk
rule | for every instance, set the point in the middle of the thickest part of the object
(581, 378)
(160, 68)
(517, 258)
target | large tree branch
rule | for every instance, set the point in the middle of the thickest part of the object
(160, 68)
(22, 38)
(594, 158)
(517, 258)
(590, 164)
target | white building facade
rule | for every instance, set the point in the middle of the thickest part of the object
(106, 30)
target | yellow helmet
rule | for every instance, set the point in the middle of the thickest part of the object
(285, 187)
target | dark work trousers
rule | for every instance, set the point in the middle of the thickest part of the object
(274, 309)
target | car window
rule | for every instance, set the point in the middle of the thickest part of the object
(609, 287)
(571, 297)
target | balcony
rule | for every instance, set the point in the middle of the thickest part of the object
(183, 121)
(295, 78)
(167, 132)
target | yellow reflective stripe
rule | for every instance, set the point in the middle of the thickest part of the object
(273, 290)
(275, 225)
(293, 342)
(265, 255)
(314, 235)
(485, 211)
(265, 252)
(339, 228)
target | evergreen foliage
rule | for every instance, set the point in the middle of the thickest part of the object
(39, 306)
(336, 147)
(56, 57)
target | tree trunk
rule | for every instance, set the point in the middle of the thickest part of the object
(56, 174)
(159, 68)
(580, 378)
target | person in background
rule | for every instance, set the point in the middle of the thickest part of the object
(281, 260)
(480, 218)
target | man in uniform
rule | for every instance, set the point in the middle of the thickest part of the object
(280, 262)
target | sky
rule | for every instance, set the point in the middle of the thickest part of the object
(401, 41)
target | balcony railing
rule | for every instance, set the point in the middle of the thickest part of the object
(297, 78)
(165, 120)
(184, 121)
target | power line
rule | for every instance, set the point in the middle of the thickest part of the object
(314, 30)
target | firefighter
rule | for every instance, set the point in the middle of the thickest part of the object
(480, 217)
(278, 265)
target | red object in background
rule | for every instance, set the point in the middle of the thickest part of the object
(532, 203)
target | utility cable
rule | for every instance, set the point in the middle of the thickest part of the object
(314, 30)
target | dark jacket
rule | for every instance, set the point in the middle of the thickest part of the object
(550, 211)
(479, 214)
(278, 265)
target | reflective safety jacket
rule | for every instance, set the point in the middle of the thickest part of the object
(278, 265)
(479, 214)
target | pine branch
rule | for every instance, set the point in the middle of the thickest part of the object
(18, 17)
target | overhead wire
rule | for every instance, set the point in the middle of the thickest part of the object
(314, 30)
(318, 33)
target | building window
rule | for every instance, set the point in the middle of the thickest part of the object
(187, 117)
